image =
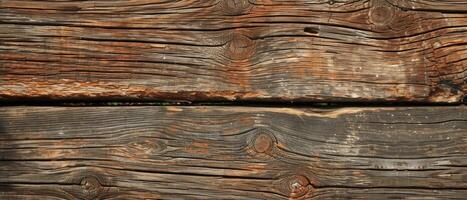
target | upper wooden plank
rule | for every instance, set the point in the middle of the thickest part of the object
(301, 50)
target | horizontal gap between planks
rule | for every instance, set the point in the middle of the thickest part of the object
(71, 103)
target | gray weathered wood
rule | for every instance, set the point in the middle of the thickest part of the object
(299, 50)
(233, 153)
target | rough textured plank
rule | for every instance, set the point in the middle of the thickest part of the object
(233, 153)
(301, 50)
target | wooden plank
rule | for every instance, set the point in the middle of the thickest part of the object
(301, 50)
(233, 153)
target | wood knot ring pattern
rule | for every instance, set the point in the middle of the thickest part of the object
(381, 13)
(263, 143)
(239, 47)
(85, 183)
(91, 187)
(146, 146)
(236, 7)
(298, 186)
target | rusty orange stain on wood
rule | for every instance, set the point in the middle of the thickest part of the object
(172, 128)
(70, 89)
(198, 148)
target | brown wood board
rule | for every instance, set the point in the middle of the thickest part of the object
(260, 50)
(233, 153)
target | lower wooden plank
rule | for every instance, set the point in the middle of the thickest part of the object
(233, 153)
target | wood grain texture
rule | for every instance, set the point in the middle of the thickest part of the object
(282, 50)
(233, 153)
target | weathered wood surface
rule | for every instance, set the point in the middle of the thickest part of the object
(301, 50)
(233, 153)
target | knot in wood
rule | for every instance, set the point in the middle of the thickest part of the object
(263, 143)
(298, 186)
(145, 147)
(239, 47)
(91, 187)
(381, 13)
(235, 7)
